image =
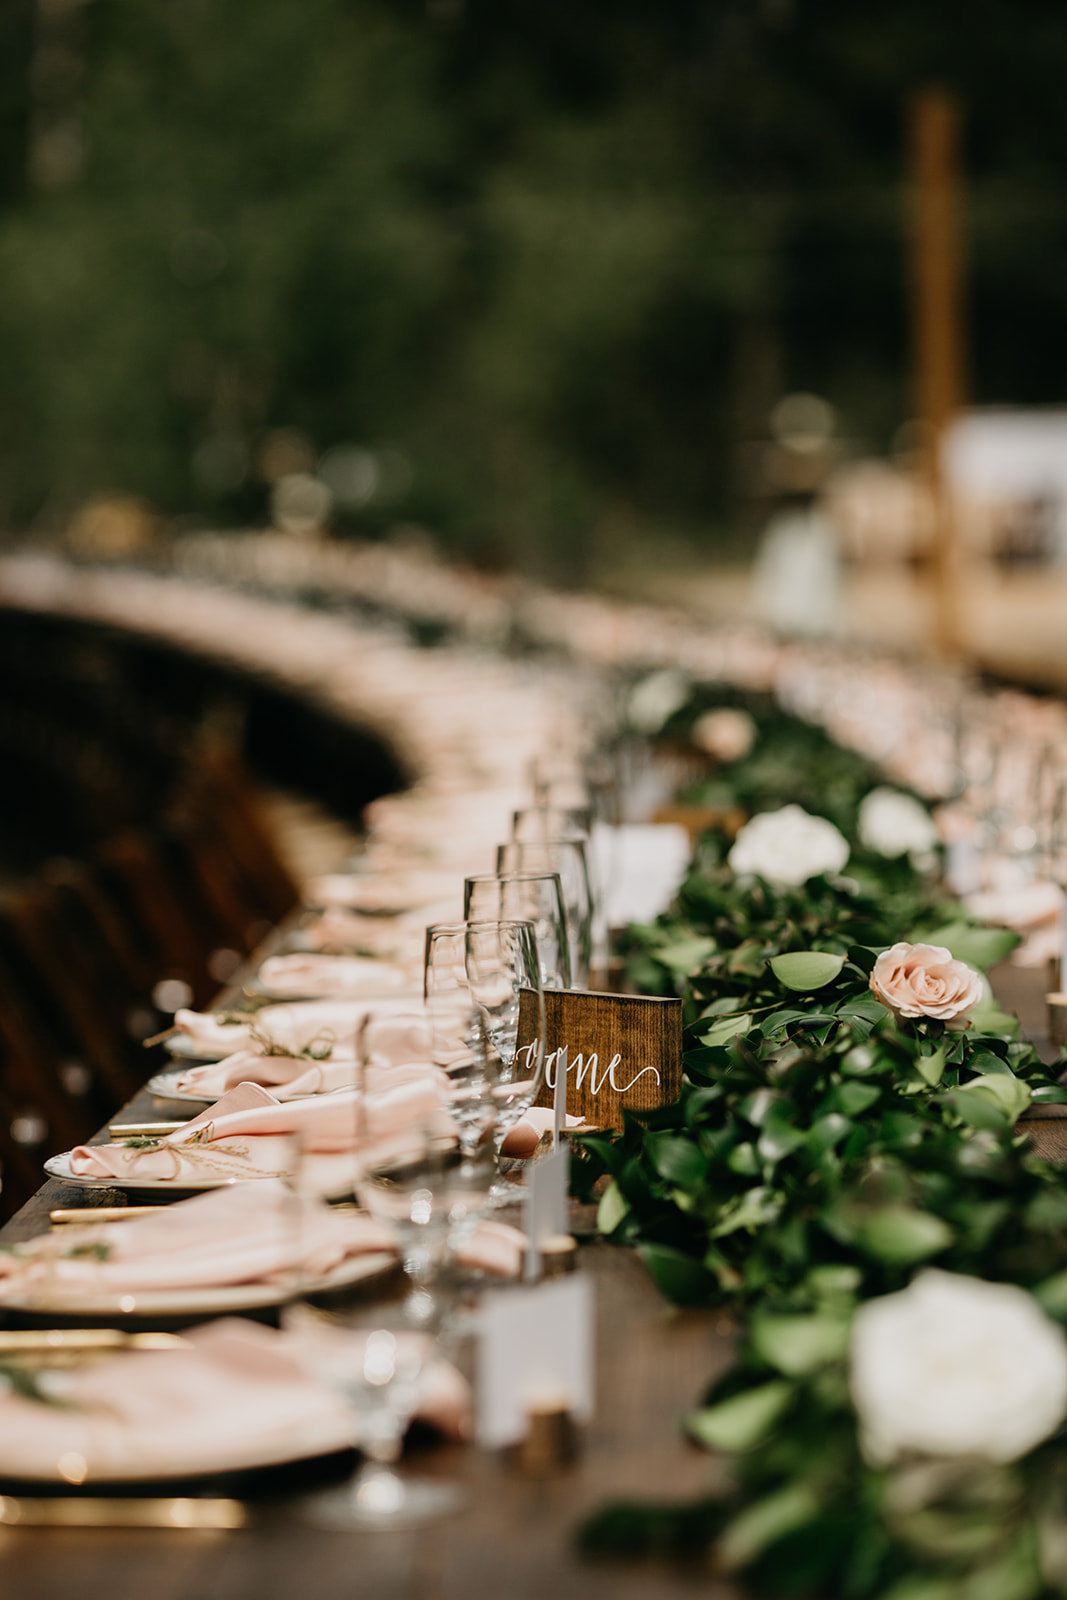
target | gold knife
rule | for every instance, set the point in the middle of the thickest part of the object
(68, 1511)
(89, 1214)
(143, 1130)
(34, 1341)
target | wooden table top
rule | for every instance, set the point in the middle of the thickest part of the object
(516, 1535)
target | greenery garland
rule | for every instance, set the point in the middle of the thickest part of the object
(822, 1150)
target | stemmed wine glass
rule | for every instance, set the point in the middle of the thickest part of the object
(366, 1352)
(498, 963)
(535, 897)
(413, 1171)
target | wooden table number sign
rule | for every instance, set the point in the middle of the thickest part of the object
(623, 1052)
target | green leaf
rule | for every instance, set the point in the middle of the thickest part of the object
(764, 1523)
(923, 1586)
(742, 1421)
(982, 1061)
(827, 1132)
(677, 1159)
(901, 1235)
(805, 970)
(832, 1281)
(799, 1345)
(987, 1017)
(754, 1209)
(852, 1099)
(756, 1107)
(726, 1028)
(778, 1139)
(1009, 1093)
(725, 1006)
(686, 954)
(612, 1208)
(678, 1276)
(1049, 1094)
(931, 1066)
(742, 1159)
(1052, 1295)
(978, 947)
(978, 1110)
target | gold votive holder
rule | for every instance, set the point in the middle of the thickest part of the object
(1057, 1018)
(559, 1255)
(551, 1441)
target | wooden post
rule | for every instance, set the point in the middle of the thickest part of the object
(938, 298)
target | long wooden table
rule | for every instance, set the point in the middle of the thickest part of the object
(516, 1535)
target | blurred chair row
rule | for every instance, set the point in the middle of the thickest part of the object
(95, 954)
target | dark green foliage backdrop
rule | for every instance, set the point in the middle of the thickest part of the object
(563, 255)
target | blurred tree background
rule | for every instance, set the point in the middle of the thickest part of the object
(528, 272)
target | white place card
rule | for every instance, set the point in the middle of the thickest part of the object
(648, 862)
(536, 1348)
(545, 1204)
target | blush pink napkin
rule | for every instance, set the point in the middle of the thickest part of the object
(290, 1077)
(242, 1235)
(238, 1395)
(381, 892)
(245, 1235)
(340, 932)
(329, 1025)
(248, 1134)
(306, 976)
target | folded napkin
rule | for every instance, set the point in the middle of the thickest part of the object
(403, 1040)
(307, 976)
(242, 1235)
(340, 932)
(325, 1027)
(290, 1077)
(237, 1395)
(403, 891)
(249, 1132)
(493, 1247)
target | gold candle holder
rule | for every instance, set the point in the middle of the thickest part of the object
(1057, 1018)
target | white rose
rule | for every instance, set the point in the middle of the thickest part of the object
(726, 734)
(788, 847)
(655, 698)
(894, 824)
(954, 1366)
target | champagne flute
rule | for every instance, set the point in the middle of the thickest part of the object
(542, 823)
(535, 897)
(412, 1170)
(505, 979)
(551, 822)
(566, 856)
(502, 973)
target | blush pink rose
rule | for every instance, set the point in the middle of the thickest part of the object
(924, 980)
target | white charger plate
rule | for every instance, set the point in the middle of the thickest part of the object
(209, 1302)
(165, 1087)
(59, 1167)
